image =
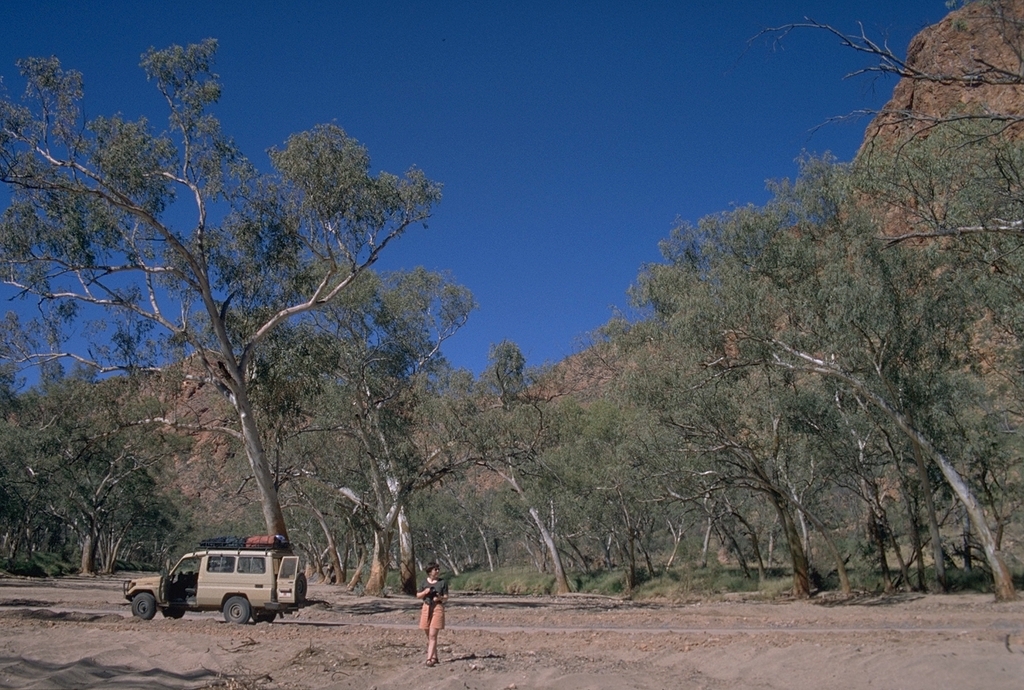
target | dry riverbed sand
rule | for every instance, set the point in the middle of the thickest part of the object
(78, 633)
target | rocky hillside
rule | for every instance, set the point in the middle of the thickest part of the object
(970, 63)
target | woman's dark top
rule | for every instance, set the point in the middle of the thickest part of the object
(441, 587)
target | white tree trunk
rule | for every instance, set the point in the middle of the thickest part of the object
(1002, 579)
(407, 555)
(561, 583)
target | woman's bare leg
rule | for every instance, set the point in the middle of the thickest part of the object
(432, 644)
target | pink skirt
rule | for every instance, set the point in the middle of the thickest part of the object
(432, 617)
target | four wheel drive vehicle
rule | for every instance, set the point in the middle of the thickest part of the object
(256, 582)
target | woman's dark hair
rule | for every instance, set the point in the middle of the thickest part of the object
(431, 566)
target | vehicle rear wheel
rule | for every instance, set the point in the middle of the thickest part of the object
(173, 612)
(237, 610)
(301, 588)
(264, 616)
(144, 606)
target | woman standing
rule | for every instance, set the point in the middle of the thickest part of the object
(434, 594)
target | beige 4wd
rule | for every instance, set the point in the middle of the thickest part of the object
(256, 583)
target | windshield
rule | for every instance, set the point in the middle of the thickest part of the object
(187, 565)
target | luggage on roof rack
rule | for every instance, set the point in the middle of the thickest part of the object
(267, 541)
(258, 541)
(222, 543)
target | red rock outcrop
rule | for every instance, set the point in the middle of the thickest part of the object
(969, 63)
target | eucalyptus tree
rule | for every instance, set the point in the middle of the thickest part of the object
(385, 363)
(459, 521)
(22, 505)
(943, 163)
(960, 193)
(867, 462)
(171, 245)
(319, 508)
(81, 464)
(611, 492)
(452, 525)
(728, 440)
(504, 423)
(805, 286)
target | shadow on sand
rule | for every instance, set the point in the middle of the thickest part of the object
(18, 672)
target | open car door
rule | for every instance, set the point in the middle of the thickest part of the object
(286, 580)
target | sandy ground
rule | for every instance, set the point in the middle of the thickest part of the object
(79, 633)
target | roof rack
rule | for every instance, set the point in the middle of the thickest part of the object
(258, 541)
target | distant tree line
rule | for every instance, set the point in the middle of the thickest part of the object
(828, 385)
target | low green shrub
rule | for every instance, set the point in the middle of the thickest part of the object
(505, 581)
(137, 567)
(677, 583)
(974, 580)
(607, 582)
(42, 565)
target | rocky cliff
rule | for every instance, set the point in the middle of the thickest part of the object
(969, 64)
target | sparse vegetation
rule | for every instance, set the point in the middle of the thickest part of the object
(822, 393)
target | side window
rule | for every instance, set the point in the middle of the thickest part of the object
(220, 564)
(256, 565)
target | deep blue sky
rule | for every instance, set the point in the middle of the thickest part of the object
(568, 135)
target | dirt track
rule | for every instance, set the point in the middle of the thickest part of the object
(78, 632)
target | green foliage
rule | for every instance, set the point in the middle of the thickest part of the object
(606, 582)
(45, 564)
(679, 584)
(777, 327)
(80, 478)
(684, 583)
(803, 393)
(183, 249)
(520, 581)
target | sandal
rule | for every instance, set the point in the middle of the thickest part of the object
(431, 662)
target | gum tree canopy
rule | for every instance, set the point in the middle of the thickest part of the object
(172, 242)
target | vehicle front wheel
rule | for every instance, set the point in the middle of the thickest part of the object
(144, 606)
(237, 610)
